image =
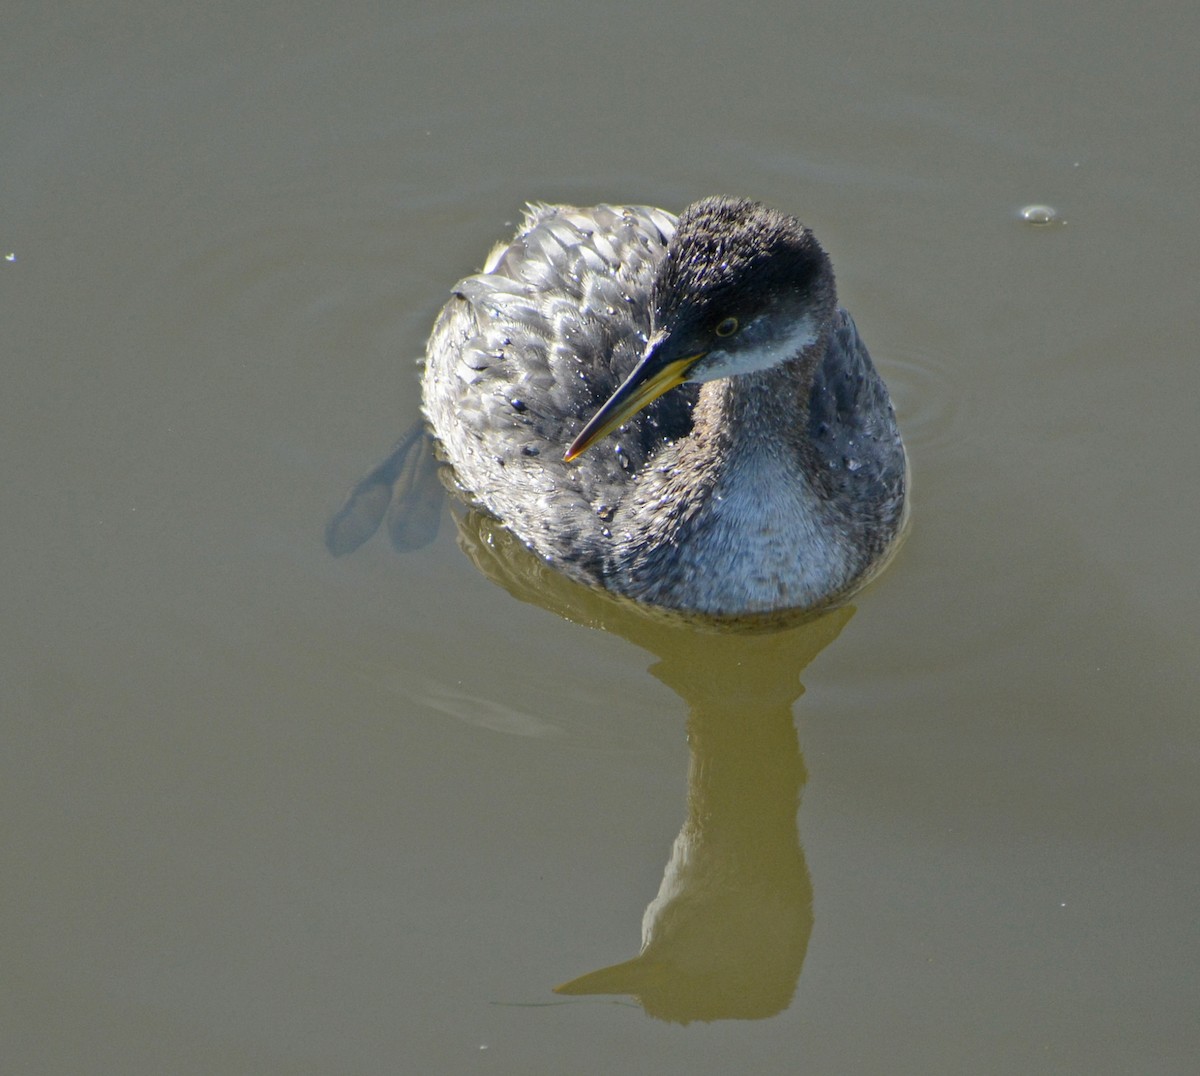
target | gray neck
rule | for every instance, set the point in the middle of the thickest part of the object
(763, 412)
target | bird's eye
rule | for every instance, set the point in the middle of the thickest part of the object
(726, 327)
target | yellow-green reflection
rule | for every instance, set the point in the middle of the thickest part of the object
(726, 935)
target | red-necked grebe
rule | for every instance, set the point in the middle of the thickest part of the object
(676, 410)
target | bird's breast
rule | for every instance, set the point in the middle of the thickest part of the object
(756, 538)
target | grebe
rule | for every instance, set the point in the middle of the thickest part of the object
(675, 410)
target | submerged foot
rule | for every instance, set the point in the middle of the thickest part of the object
(404, 486)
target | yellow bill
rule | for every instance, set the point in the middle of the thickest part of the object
(647, 383)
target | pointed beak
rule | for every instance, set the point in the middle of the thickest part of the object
(658, 372)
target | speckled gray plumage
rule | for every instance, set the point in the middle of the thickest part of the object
(773, 490)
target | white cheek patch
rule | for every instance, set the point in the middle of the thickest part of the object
(752, 357)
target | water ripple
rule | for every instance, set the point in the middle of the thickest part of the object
(927, 389)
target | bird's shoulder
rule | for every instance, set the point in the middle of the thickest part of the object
(851, 422)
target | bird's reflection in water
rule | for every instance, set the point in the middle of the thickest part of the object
(726, 935)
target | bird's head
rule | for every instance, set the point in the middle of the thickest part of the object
(740, 289)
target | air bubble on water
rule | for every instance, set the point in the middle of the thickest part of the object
(1040, 215)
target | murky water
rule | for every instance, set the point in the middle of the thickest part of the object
(271, 812)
